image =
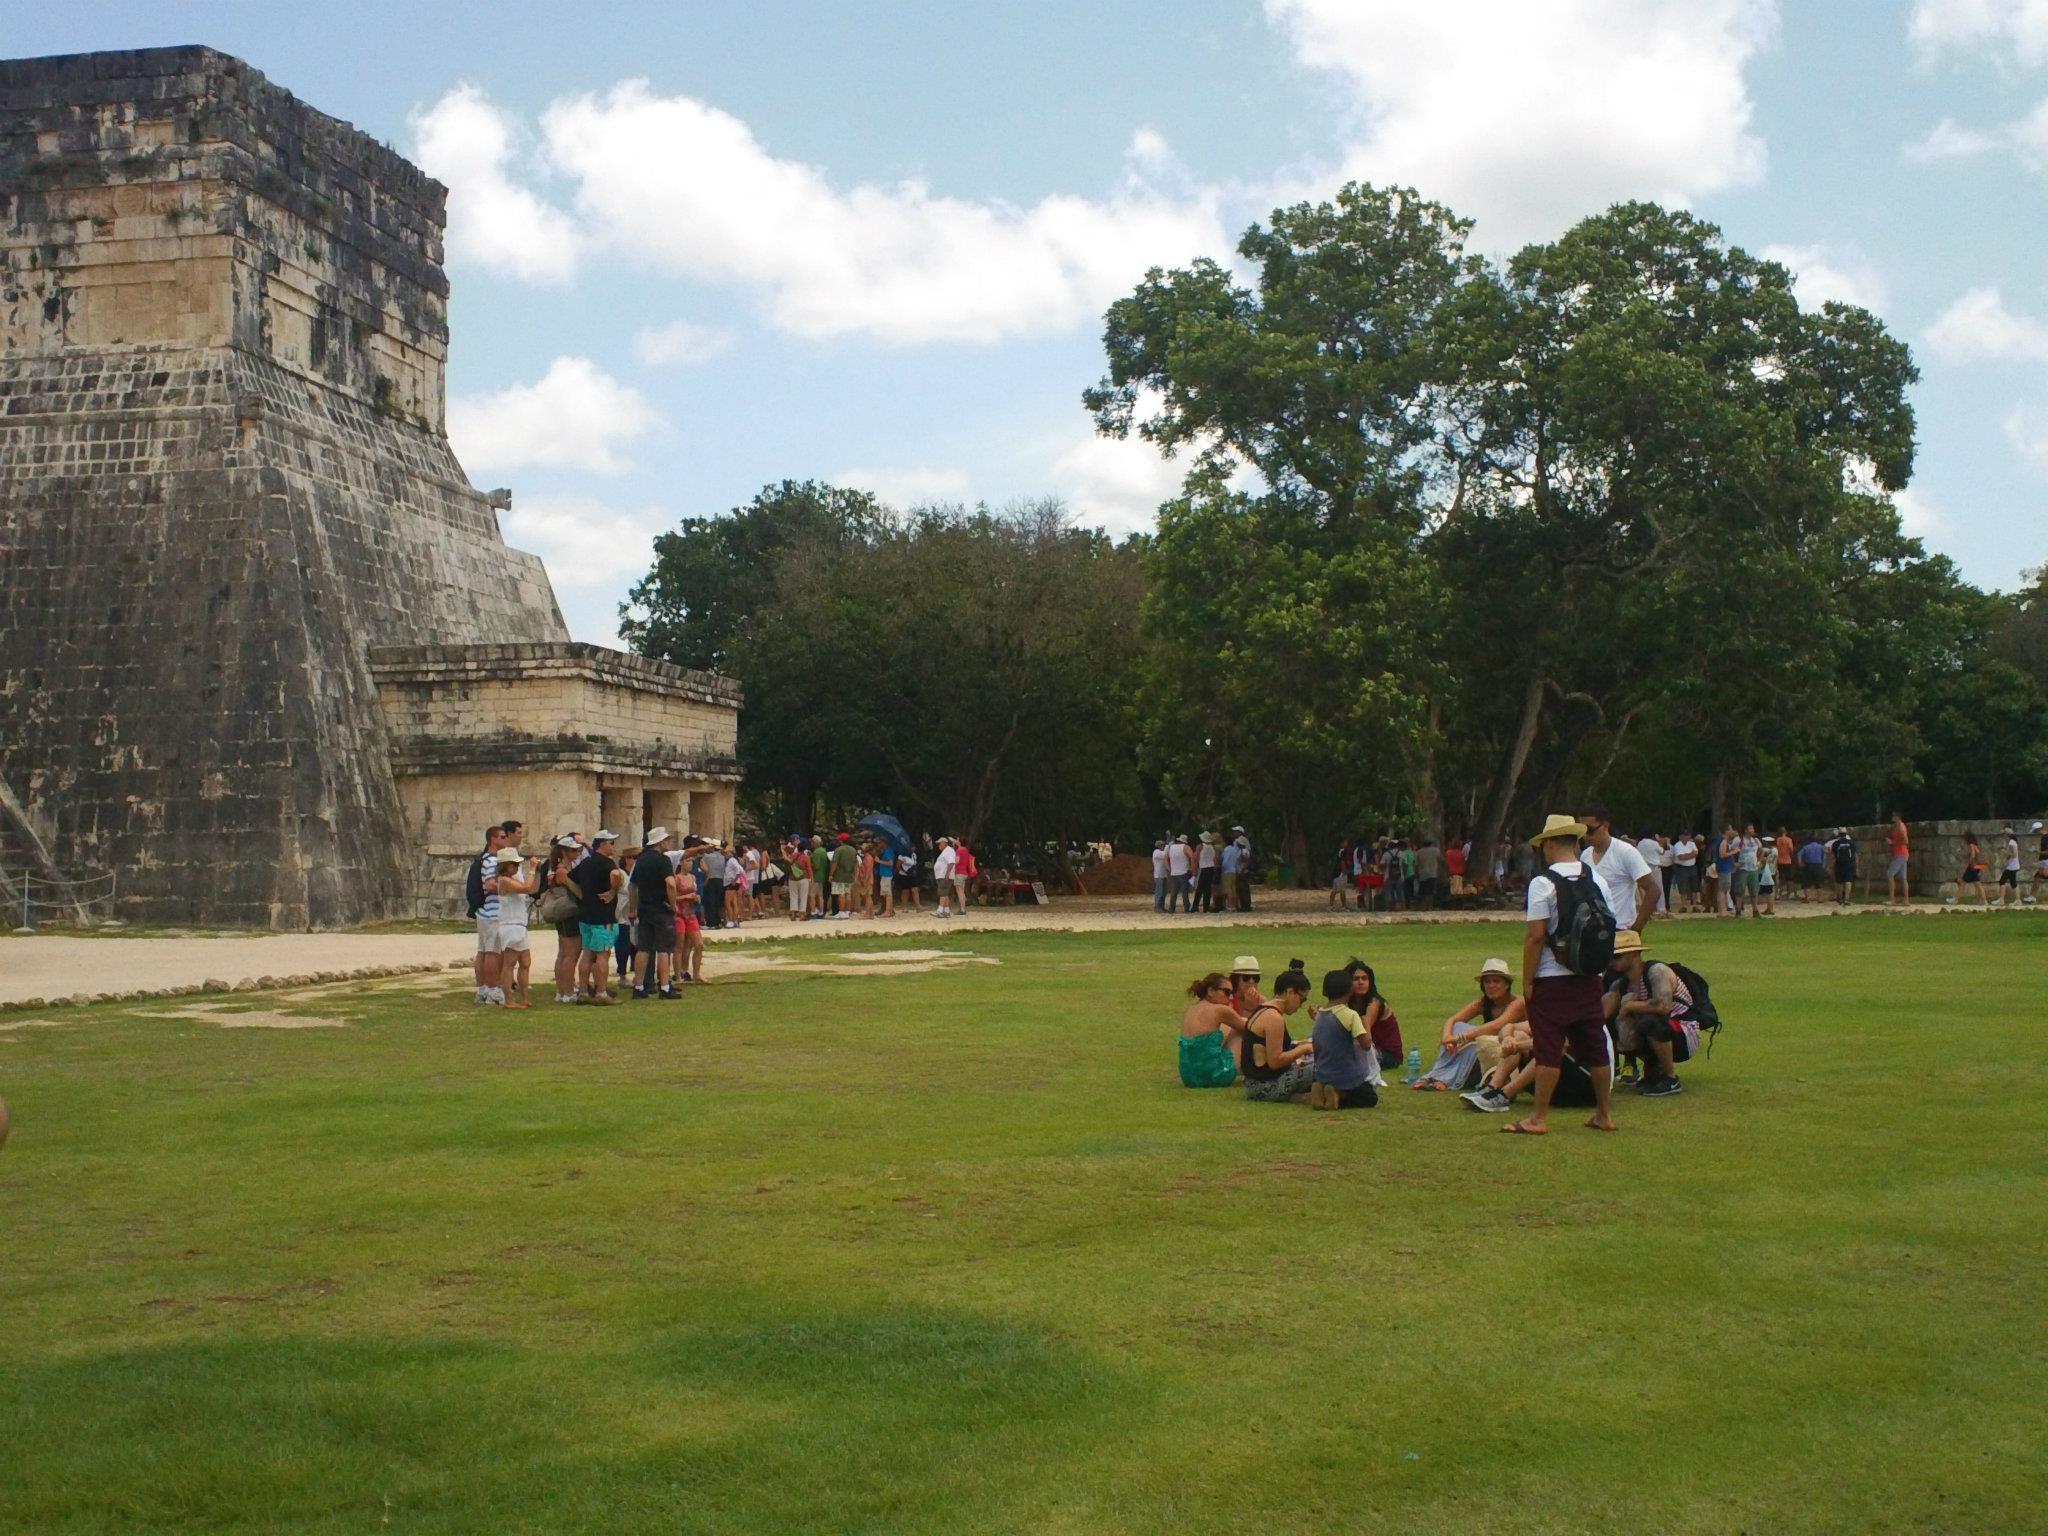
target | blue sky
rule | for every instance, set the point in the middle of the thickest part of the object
(699, 248)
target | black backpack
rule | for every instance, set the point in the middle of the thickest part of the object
(1704, 1013)
(1584, 941)
(473, 887)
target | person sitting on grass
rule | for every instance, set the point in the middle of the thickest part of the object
(1337, 1065)
(1275, 1068)
(1470, 1047)
(1208, 1035)
(1377, 1013)
(1652, 1012)
(1516, 1075)
(1245, 996)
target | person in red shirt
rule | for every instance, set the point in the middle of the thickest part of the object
(1454, 866)
(1897, 875)
(1381, 1027)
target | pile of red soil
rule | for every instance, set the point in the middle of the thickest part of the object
(1123, 874)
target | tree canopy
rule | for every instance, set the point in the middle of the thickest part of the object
(1458, 540)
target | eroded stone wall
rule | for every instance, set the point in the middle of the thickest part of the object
(223, 478)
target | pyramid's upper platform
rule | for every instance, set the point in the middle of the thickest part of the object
(176, 197)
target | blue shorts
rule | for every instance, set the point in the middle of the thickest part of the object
(598, 936)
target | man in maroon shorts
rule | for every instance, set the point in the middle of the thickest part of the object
(1565, 1009)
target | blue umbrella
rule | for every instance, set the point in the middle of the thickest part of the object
(889, 827)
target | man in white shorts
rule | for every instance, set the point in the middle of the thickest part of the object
(484, 890)
(942, 872)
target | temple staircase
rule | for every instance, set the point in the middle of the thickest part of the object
(33, 889)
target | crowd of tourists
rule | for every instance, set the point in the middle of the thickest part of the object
(1741, 872)
(1203, 872)
(631, 920)
(1588, 997)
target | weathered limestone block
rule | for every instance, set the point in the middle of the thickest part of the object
(223, 477)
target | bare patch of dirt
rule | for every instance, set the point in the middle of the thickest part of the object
(228, 1016)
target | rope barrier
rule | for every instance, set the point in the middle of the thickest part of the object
(74, 896)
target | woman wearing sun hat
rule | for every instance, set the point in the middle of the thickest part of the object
(1471, 1041)
(1245, 996)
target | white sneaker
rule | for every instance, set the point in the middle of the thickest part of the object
(482, 995)
(565, 997)
(497, 996)
(1950, 902)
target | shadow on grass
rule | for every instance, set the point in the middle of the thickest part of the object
(899, 1418)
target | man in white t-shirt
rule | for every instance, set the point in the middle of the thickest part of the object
(1656, 858)
(942, 872)
(1567, 1011)
(1632, 890)
(1177, 875)
(2009, 871)
(1159, 876)
(1685, 867)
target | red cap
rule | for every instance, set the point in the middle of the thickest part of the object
(846, 837)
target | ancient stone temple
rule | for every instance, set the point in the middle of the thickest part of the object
(264, 653)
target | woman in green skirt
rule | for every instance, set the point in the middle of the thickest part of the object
(1208, 1035)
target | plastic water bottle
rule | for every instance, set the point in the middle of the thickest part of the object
(1414, 1064)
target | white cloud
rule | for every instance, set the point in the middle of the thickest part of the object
(682, 342)
(467, 143)
(907, 486)
(2027, 430)
(1917, 515)
(593, 551)
(1949, 140)
(576, 415)
(1821, 276)
(679, 185)
(2030, 138)
(1969, 26)
(1117, 483)
(1979, 325)
(1529, 117)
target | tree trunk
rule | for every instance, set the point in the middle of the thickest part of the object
(1509, 776)
(1718, 793)
(1427, 800)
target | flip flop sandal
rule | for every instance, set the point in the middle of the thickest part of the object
(1517, 1128)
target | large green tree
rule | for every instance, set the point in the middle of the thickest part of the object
(1290, 676)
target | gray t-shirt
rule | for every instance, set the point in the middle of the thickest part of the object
(713, 865)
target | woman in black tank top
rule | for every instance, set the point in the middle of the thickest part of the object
(1275, 1067)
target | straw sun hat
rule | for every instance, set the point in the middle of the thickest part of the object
(1558, 826)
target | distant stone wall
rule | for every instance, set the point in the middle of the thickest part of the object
(1936, 851)
(223, 478)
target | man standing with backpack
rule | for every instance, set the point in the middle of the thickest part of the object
(1566, 950)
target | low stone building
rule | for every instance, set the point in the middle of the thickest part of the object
(565, 736)
(262, 644)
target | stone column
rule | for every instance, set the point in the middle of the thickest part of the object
(619, 802)
(665, 809)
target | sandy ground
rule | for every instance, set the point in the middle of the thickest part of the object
(63, 964)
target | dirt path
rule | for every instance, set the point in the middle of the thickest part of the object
(63, 965)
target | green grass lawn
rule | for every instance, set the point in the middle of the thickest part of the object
(955, 1252)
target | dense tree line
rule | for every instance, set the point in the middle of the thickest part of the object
(1457, 540)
